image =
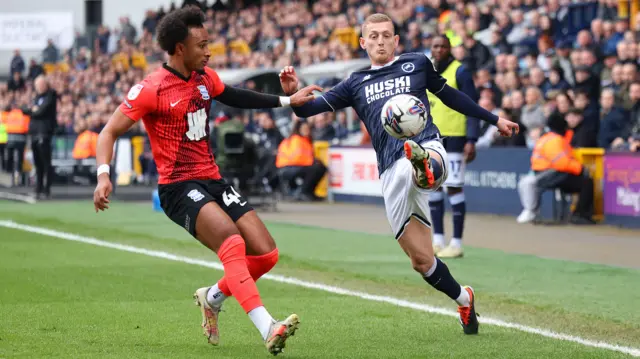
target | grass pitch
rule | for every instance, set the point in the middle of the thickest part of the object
(62, 299)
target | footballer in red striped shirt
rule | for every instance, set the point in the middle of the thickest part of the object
(174, 102)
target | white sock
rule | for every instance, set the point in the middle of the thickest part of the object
(262, 320)
(438, 240)
(432, 269)
(463, 300)
(215, 297)
(456, 242)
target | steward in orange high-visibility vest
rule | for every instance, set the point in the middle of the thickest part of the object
(17, 126)
(85, 145)
(16, 122)
(295, 159)
(554, 166)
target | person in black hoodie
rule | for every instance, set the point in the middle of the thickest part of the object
(584, 120)
(43, 123)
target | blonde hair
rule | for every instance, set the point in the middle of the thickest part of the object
(377, 19)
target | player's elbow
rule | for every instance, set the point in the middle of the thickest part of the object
(302, 111)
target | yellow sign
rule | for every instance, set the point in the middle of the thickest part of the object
(593, 159)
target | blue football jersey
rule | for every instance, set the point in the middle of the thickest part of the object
(367, 91)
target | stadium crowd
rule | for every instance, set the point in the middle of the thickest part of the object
(525, 67)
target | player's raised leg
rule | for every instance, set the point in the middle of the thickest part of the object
(425, 168)
(407, 206)
(217, 231)
(421, 160)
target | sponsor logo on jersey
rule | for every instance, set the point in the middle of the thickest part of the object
(383, 89)
(204, 92)
(197, 125)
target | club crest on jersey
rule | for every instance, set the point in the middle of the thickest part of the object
(134, 92)
(408, 67)
(204, 92)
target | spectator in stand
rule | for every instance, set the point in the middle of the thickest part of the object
(629, 140)
(50, 54)
(16, 83)
(35, 70)
(322, 128)
(17, 63)
(612, 119)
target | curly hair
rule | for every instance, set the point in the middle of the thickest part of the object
(174, 27)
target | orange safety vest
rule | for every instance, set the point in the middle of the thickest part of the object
(295, 151)
(17, 122)
(85, 145)
(553, 151)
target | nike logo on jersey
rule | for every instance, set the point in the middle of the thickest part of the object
(366, 78)
(173, 104)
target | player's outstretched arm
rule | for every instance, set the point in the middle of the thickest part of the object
(289, 82)
(247, 99)
(459, 101)
(118, 124)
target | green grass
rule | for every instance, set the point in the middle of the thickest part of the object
(66, 299)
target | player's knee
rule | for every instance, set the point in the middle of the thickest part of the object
(422, 263)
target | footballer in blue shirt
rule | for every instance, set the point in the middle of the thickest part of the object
(412, 169)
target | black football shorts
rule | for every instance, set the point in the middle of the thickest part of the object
(181, 201)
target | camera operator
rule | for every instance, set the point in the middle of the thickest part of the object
(43, 123)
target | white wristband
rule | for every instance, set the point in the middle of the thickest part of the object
(285, 101)
(103, 169)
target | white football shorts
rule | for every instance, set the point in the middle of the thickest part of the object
(403, 199)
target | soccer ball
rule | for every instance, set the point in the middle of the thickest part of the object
(403, 116)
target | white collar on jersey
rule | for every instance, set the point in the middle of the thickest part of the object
(387, 64)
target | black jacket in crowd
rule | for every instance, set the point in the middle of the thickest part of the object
(43, 120)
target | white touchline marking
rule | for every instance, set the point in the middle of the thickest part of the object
(323, 287)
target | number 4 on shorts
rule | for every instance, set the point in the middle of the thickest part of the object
(231, 198)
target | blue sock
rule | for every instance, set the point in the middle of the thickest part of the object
(436, 204)
(441, 279)
(459, 209)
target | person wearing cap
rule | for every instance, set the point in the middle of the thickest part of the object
(553, 165)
